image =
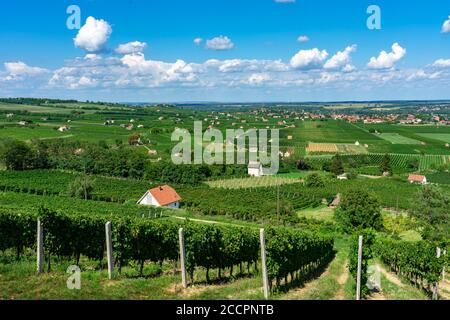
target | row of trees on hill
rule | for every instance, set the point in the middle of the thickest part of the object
(337, 164)
(104, 160)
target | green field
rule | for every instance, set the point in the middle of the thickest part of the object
(26, 133)
(330, 131)
(398, 160)
(444, 137)
(32, 109)
(256, 182)
(396, 138)
(76, 181)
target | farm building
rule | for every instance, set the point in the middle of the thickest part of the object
(417, 178)
(63, 128)
(255, 169)
(342, 177)
(162, 196)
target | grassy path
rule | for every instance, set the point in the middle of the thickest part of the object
(332, 284)
(394, 287)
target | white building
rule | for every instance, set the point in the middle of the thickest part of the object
(417, 178)
(342, 177)
(255, 169)
(63, 128)
(162, 196)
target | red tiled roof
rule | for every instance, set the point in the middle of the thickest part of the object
(416, 177)
(165, 195)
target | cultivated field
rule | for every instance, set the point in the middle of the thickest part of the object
(396, 138)
(256, 182)
(76, 181)
(335, 148)
(444, 137)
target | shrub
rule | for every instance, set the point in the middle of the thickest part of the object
(359, 209)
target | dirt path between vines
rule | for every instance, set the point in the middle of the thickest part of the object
(342, 280)
(299, 293)
(444, 289)
(391, 277)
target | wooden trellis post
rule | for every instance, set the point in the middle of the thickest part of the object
(182, 258)
(109, 252)
(358, 275)
(39, 247)
(262, 237)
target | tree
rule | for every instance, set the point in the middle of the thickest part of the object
(386, 164)
(413, 163)
(16, 155)
(352, 174)
(314, 180)
(303, 165)
(326, 166)
(336, 165)
(431, 208)
(134, 139)
(359, 209)
(81, 188)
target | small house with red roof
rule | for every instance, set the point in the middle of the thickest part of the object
(162, 196)
(417, 178)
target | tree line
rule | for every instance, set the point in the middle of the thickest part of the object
(101, 159)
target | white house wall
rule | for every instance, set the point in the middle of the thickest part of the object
(149, 200)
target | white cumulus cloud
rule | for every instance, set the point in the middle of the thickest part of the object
(387, 60)
(82, 82)
(341, 59)
(442, 63)
(258, 78)
(309, 59)
(446, 26)
(93, 35)
(198, 41)
(131, 47)
(220, 43)
(159, 71)
(303, 39)
(92, 56)
(19, 68)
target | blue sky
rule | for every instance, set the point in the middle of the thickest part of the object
(253, 53)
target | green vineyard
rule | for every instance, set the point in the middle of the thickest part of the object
(70, 236)
(401, 161)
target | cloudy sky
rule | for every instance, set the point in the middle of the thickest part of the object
(225, 50)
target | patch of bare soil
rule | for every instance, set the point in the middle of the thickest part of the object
(342, 280)
(444, 289)
(377, 296)
(248, 292)
(391, 277)
(190, 291)
(110, 283)
(299, 292)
